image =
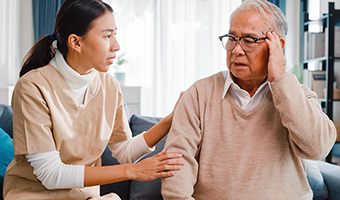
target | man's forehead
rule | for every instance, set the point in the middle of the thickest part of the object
(251, 15)
(248, 31)
(249, 22)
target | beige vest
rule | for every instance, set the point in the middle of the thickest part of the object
(46, 117)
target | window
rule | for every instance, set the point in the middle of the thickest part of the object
(170, 45)
(9, 58)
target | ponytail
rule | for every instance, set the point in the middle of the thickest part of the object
(39, 55)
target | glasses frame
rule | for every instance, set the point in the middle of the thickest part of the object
(239, 39)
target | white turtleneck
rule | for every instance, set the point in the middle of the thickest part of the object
(78, 83)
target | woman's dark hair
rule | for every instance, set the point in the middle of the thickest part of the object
(74, 17)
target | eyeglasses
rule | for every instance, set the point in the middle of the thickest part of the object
(247, 43)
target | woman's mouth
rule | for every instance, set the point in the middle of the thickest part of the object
(111, 60)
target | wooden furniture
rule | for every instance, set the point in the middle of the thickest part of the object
(6, 94)
(325, 25)
(131, 96)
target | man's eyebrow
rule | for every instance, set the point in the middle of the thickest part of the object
(249, 34)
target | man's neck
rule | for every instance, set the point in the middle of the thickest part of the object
(250, 86)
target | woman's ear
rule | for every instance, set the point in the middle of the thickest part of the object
(74, 42)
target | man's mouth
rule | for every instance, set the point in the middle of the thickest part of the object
(238, 64)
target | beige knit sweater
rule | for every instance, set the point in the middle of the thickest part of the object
(235, 154)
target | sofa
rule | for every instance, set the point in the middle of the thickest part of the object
(323, 177)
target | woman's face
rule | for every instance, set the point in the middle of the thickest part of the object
(97, 49)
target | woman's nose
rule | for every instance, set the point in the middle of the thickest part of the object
(114, 44)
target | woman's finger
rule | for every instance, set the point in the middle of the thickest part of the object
(168, 156)
(160, 153)
(173, 161)
(165, 174)
(170, 167)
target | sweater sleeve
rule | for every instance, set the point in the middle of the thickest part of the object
(184, 137)
(311, 133)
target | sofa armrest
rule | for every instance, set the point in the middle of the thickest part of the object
(331, 175)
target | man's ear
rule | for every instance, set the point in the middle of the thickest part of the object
(283, 42)
(74, 42)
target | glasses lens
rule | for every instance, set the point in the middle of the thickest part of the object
(228, 43)
(248, 43)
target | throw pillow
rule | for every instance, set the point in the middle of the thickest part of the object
(7, 154)
(6, 119)
(139, 124)
(316, 181)
(149, 189)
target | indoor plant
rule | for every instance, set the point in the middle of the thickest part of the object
(119, 67)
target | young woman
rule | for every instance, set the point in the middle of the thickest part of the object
(66, 110)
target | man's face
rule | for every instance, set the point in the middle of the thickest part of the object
(249, 66)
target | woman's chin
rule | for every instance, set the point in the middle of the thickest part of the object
(103, 69)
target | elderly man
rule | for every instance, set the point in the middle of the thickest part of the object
(245, 132)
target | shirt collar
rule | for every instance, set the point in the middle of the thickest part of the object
(229, 81)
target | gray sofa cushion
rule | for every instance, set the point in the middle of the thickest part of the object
(149, 189)
(134, 189)
(331, 176)
(120, 188)
(138, 124)
(316, 181)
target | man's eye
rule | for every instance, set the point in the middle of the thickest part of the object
(248, 40)
(231, 39)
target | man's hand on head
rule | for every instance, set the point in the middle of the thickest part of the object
(276, 61)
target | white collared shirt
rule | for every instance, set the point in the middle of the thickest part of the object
(242, 97)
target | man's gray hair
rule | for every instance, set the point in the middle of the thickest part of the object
(276, 18)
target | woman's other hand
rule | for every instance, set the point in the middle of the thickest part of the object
(160, 165)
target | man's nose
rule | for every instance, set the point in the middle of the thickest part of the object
(238, 48)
